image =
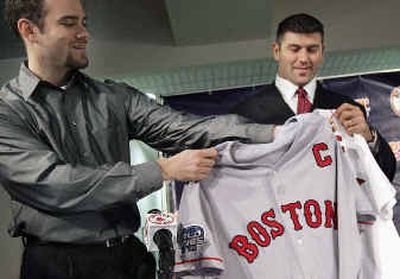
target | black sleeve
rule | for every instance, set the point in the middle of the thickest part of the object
(384, 157)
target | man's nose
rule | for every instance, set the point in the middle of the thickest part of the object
(303, 56)
(83, 33)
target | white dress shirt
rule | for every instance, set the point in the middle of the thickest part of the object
(288, 91)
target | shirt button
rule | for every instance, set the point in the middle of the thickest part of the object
(300, 242)
(73, 123)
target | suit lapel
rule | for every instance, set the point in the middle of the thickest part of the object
(320, 98)
(325, 99)
(271, 108)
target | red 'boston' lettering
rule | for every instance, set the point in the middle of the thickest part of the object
(277, 228)
(321, 161)
(259, 234)
(330, 215)
(291, 207)
(308, 213)
(263, 234)
(241, 245)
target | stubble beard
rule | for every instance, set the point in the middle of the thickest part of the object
(77, 64)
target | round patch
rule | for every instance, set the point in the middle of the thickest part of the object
(395, 100)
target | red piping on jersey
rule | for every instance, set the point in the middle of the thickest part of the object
(200, 259)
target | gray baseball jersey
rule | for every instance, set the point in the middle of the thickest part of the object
(289, 209)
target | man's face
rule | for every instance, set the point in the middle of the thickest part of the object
(299, 56)
(63, 39)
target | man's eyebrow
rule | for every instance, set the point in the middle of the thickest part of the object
(299, 45)
(69, 17)
(314, 45)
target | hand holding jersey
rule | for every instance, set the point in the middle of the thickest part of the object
(353, 120)
(188, 165)
(192, 165)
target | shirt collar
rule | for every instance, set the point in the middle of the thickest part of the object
(28, 81)
(288, 89)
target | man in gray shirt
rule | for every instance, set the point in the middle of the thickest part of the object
(64, 151)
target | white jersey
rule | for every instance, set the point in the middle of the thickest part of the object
(299, 207)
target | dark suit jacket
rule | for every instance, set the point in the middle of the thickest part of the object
(268, 107)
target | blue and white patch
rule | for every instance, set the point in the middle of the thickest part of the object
(191, 238)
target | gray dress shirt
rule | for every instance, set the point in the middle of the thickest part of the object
(64, 153)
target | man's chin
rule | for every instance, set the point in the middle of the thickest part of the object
(303, 80)
(78, 65)
(84, 65)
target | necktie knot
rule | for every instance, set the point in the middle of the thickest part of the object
(303, 103)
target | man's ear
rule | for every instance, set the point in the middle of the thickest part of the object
(27, 29)
(276, 50)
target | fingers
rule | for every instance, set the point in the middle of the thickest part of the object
(204, 159)
(189, 164)
(353, 120)
(342, 108)
(200, 163)
(347, 112)
(210, 153)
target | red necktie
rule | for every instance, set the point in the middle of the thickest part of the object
(303, 104)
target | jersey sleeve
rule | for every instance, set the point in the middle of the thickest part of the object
(372, 181)
(198, 254)
(380, 237)
(374, 198)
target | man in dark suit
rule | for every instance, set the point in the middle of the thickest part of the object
(299, 50)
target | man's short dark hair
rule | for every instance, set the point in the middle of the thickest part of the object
(299, 23)
(29, 9)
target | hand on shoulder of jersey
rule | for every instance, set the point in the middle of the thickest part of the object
(353, 120)
(188, 165)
